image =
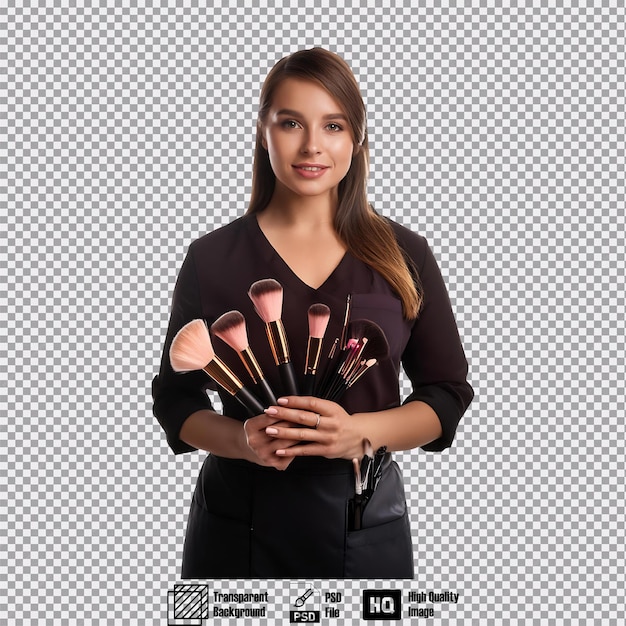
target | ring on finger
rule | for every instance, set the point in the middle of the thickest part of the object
(319, 419)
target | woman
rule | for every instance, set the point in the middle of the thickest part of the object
(272, 498)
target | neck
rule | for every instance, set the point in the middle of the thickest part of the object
(293, 209)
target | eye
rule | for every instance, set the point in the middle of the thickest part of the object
(335, 128)
(290, 124)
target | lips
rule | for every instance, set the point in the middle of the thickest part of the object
(310, 167)
(310, 170)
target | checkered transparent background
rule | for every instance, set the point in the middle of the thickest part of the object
(496, 131)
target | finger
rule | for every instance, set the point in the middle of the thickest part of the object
(308, 403)
(277, 444)
(295, 416)
(277, 462)
(282, 424)
(260, 422)
(261, 442)
(294, 434)
(307, 450)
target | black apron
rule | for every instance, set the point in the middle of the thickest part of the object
(248, 521)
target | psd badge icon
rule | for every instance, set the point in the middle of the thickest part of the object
(304, 604)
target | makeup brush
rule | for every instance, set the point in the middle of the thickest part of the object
(328, 371)
(367, 476)
(339, 343)
(366, 345)
(377, 467)
(191, 349)
(231, 328)
(357, 508)
(319, 314)
(345, 384)
(267, 296)
(346, 319)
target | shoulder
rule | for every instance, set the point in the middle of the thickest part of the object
(222, 236)
(413, 244)
(220, 242)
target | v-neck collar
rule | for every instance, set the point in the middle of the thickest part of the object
(271, 255)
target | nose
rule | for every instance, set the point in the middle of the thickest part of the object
(310, 143)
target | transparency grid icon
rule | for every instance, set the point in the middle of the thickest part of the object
(188, 605)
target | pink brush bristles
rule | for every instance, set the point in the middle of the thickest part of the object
(267, 296)
(191, 348)
(319, 315)
(231, 328)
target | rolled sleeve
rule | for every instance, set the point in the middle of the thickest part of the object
(176, 396)
(434, 359)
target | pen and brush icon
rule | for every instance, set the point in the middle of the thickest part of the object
(301, 601)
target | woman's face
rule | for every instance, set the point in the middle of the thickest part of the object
(308, 139)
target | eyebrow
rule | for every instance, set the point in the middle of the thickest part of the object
(330, 116)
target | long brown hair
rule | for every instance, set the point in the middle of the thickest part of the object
(367, 235)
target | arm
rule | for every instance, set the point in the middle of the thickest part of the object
(221, 435)
(182, 406)
(339, 435)
(434, 359)
(177, 396)
(411, 425)
(229, 438)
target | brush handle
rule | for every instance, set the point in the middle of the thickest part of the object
(308, 387)
(288, 379)
(265, 393)
(313, 353)
(249, 401)
(355, 513)
(322, 386)
(330, 370)
(335, 394)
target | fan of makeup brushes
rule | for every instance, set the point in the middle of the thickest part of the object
(361, 346)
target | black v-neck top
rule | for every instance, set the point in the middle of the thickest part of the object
(215, 277)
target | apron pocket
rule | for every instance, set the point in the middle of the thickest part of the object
(215, 546)
(383, 551)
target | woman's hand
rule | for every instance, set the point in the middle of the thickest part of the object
(315, 428)
(263, 446)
